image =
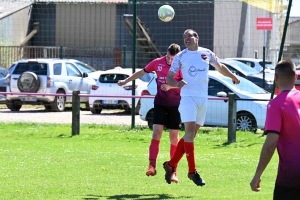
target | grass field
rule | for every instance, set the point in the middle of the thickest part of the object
(42, 161)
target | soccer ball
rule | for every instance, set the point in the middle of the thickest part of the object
(166, 13)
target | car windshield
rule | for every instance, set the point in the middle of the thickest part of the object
(85, 67)
(35, 67)
(268, 65)
(245, 69)
(112, 78)
(244, 86)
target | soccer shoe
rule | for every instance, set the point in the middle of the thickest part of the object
(151, 171)
(170, 171)
(196, 178)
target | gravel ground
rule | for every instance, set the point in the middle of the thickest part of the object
(38, 114)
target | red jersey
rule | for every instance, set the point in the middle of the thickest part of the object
(161, 68)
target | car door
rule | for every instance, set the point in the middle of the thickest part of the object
(217, 109)
(75, 80)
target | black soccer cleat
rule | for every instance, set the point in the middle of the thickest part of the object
(169, 172)
(195, 177)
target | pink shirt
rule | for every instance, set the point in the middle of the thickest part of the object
(283, 117)
(164, 98)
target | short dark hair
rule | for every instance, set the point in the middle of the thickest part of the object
(174, 49)
(195, 34)
(285, 69)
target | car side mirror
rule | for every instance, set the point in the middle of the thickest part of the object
(222, 94)
(85, 75)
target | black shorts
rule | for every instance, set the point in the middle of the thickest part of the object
(166, 115)
(286, 193)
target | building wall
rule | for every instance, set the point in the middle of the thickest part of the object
(235, 32)
(13, 28)
(86, 25)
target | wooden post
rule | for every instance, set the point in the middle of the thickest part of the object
(75, 113)
(232, 118)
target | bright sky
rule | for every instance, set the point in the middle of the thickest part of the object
(295, 9)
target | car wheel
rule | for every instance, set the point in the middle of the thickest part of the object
(149, 119)
(13, 106)
(95, 110)
(28, 82)
(245, 122)
(59, 103)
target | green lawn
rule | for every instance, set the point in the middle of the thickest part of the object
(42, 161)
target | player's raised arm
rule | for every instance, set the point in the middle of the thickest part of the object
(134, 76)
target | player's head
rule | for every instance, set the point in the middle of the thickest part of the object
(285, 73)
(191, 38)
(173, 49)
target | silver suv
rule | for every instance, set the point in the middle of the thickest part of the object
(51, 76)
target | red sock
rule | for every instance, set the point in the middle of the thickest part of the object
(172, 150)
(153, 152)
(190, 156)
(178, 154)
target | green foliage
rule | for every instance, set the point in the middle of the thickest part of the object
(43, 161)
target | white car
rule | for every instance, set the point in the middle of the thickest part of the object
(257, 64)
(250, 114)
(106, 85)
(51, 76)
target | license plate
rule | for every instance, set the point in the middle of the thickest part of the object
(28, 98)
(109, 101)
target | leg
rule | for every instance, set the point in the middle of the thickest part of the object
(173, 122)
(154, 149)
(173, 141)
(158, 126)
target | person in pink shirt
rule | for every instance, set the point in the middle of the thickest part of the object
(282, 128)
(166, 104)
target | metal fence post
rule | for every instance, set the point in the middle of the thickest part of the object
(75, 113)
(232, 118)
(61, 52)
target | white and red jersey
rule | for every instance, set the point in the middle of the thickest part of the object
(283, 118)
(194, 66)
(161, 68)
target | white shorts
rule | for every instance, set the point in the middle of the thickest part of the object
(193, 109)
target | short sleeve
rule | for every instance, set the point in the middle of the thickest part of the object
(273, 119)
(150, 67)
(175, 64)
(213, 58)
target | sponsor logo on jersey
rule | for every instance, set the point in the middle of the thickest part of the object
(193, 71)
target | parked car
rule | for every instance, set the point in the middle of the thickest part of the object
(52, 76)
(257, 64)
(3, 82)
(247, 72)
(107, 85)
(250, 114)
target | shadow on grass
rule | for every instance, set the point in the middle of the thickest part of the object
(133, 196)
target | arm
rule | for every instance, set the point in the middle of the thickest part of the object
(265, 157)
(172, 82)
(226, 72)
(134, 76)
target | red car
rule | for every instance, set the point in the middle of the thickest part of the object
(297, 83)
